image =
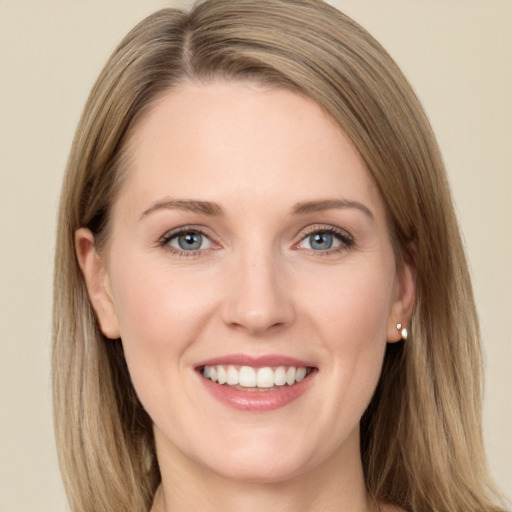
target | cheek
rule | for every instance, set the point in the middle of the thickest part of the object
(351, 321)
(354, 307)
(160, 316)
(154, 303)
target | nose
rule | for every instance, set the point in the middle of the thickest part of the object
(259, 298)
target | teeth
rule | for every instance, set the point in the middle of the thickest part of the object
(290, 376)
(249, 377)
(265, 378)
(233, 376)
(222, 378)
(300, 374)
(280, 376)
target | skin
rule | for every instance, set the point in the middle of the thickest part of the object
(256, 286)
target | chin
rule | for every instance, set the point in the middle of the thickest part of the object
(274, 470)
(266, 458)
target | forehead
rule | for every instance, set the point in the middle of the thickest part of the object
(230, 140)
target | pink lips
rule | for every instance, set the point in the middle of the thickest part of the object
(256, 401)
(255, 361)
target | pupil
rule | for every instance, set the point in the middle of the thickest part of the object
(321, 241)
(190, 241)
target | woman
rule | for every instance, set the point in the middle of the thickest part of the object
(262, 297)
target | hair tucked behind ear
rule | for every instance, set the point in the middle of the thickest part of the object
(421, 435)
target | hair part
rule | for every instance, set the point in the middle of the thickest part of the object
(421, 437)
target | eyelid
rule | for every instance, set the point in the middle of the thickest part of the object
(164, 240)
(346, 239)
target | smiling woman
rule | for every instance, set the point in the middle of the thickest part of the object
(258, 298)
(262, 296)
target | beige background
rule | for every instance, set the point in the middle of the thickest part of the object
(458, 56)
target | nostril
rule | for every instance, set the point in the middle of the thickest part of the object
(258, 301)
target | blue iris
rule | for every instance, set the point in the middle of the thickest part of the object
(321, 241)
(190, 241)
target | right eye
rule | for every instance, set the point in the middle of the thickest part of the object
(186, 242)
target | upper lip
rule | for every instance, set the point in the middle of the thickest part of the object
(255, 361)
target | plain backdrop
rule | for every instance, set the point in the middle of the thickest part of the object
(456, 53)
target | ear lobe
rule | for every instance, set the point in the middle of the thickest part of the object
(401, 309)
(97, 282)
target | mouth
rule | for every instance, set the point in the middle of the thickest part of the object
(254, 379)
(256, 384)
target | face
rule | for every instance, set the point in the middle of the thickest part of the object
(252, 280)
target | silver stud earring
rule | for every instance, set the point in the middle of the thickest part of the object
(403, 331)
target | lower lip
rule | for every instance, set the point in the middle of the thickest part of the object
(257, 401)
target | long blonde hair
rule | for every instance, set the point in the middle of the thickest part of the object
(421, 440)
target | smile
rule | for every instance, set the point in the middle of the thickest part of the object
(248, 378)
(256, 384)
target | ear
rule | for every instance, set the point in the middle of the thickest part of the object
(97, 282)
(401, 309)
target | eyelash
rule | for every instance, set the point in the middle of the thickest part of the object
(164, 241)
(347, 241)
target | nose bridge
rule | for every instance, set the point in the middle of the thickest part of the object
(258, 297)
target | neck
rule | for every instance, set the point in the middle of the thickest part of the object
(337, 484)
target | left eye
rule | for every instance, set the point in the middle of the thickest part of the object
(189, 241)
(323, 241)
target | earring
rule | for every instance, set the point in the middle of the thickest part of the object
(403, 331)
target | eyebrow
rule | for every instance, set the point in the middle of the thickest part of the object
(215, 210)
(306, 207)
(204, 207)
